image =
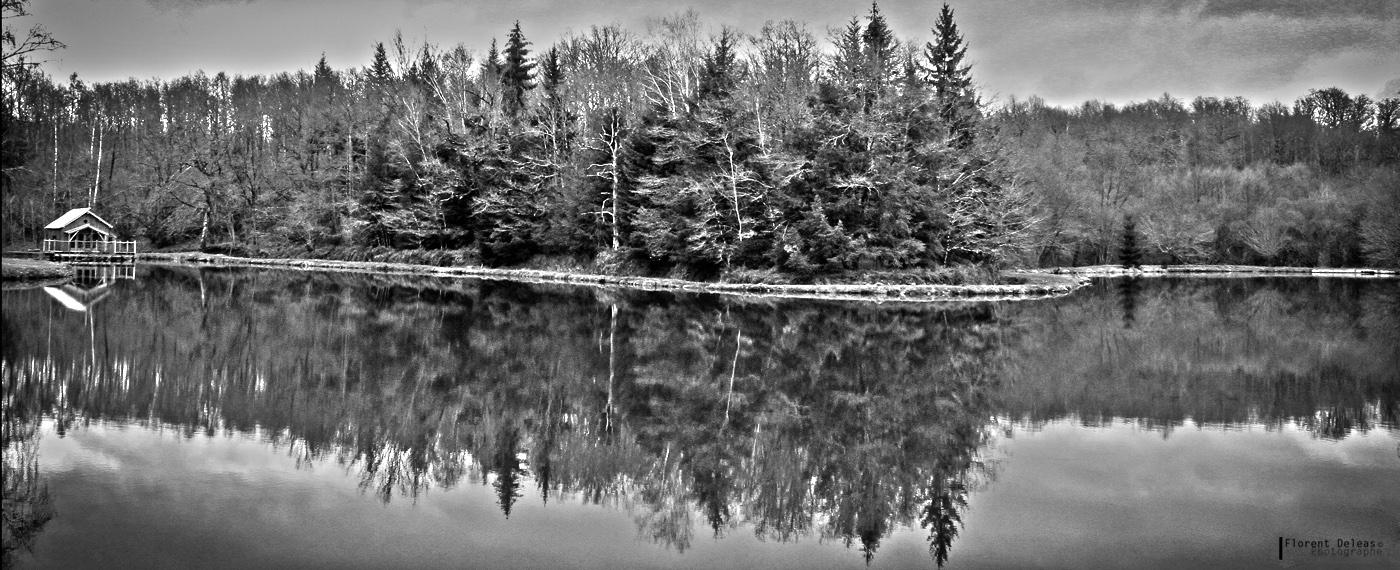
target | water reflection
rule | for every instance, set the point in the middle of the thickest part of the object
(1128, 290)
(791, 420)
(1315, 353)
(27, 505)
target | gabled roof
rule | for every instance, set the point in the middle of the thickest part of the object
(73, 214)
(103, 231)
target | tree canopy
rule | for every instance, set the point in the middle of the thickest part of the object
(695, 153)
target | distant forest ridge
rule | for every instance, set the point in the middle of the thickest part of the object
(677, 151)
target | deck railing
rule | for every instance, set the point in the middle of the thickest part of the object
(103, 272)
(98, 247)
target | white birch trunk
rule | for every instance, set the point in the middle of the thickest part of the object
(97, 179)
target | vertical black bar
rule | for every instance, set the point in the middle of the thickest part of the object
(1280, 548)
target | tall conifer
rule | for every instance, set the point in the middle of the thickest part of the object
(718, 71)
(951, 79)
(492, 65)
(1130, 254)
(380, 72)
(880, 65)
(323, 72)
(849, 59)
(552, 76)
(517, 72)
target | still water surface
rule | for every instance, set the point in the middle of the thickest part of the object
(256, 418)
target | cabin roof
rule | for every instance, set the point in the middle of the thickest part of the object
(74, 214)
(98, 229)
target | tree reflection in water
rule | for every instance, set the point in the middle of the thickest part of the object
(1128, 290)
(26, 506)
(793, 419)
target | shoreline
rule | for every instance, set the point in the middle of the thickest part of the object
(1041, 283)
(15, 271)
(1218, 271)
(1041, 286)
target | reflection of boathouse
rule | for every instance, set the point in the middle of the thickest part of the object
(76, 298)
(91, 283)
(82, 234)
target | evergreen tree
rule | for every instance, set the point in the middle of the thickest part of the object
(850, 59)
(554, 158)
(324, 82)
(719, 69)
(323, 72)
(377, 207)
(517, 73)
(554, 113)
(492, 64)
(951, 79)
(1130, 254)
(878, 53)
(425, 68)
(380, 72)
(552, 78)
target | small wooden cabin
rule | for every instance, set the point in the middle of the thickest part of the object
(82, 233)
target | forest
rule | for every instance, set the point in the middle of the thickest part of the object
(695, 152)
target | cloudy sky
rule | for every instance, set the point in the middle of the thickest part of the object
(1065, 51)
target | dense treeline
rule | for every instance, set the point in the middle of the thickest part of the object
(696, 153)
(1314, 183)
(672, 150)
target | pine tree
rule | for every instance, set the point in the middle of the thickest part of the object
(554, 111)
(380, 72)
(517, 73)
(850, 61)
(719, 71)
(1130, 254)
(878, 51)
(492, 65)
(951, 80)
(552, 77)
(425, 68)
(323, 72)
(324, 82)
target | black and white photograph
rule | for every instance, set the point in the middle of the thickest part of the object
(614, 284)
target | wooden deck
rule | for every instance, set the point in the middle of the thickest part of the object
(89, 250)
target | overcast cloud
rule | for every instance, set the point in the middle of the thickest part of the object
(1066, 51)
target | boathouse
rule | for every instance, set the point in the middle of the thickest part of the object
(80, 234)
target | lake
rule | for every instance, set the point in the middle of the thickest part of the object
(221, 417)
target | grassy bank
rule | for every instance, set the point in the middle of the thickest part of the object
(1015, 286)
(13, 269)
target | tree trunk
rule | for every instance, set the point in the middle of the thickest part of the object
(111, 167)
(612, 365)
(758, 118)
(204, 227)
(55, 162)
(616, 147)
(734, 190)
(97, 178)
(733, 370)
